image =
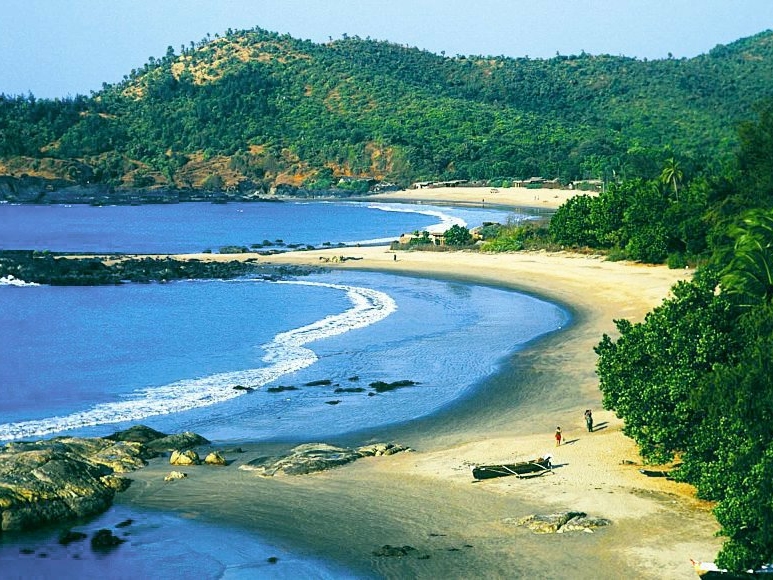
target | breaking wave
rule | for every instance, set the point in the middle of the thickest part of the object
(285, 354)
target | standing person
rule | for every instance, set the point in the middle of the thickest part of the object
(558, 436)
(589, 420)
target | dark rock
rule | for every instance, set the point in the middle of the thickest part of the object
(69, 536)
(335, 402)
(349, 390)
(125, 523)
(137, 434)
(382, 387)
(272, 560)
(103, 541)
(387, 551)
(281, 389)
(243, 388)
(185, 440)
(322, 383)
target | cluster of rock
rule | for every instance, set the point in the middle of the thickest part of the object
(560, 523)
(313, 457)
(191, 457)
(68, 477)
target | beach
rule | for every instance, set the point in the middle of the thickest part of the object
(427, 498)
(513, 197)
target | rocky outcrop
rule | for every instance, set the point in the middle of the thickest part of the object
(313, 457)
(560, 523)
(158, 441)
(68, 477)
(46, 485)
(186, 440)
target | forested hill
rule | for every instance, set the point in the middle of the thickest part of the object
(259, 108)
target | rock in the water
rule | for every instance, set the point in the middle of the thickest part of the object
(215, 458)
(189, 457)
(175, 475)
(387, 551)
(185, 440)
(69, 536)
(104, 540)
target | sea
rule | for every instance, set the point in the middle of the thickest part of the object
(88, 361)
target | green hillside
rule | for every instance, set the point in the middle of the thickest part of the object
(260, 109)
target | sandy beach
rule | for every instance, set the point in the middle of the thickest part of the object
(428, 499)
(476, 196)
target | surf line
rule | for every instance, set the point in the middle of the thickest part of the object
(285, 354)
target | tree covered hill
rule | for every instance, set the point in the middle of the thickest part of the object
(259, 108)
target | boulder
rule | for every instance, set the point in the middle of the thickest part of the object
(137, 434)
(189, 457)
(584, 523)
(559, 523)
(313, 457)
(175, 475)
(215, 458)
(104, 540)
(185, 440)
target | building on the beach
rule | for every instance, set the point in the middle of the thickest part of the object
(435, 184)
(539, 182)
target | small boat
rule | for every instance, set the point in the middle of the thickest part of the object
(710, 571)
(528, 468)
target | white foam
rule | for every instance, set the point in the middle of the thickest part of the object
(11, 280)
(285, 354)
(446, 221)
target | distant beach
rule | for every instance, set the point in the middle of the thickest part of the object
(427, 498)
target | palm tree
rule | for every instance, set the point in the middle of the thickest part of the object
(750, 272)
(672, 174)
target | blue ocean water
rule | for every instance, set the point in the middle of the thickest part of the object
(92, 360)
(196, 227)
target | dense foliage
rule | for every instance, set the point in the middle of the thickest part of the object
(694, 381)
(257, 107)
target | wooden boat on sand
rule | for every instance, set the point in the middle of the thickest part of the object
(528, 468)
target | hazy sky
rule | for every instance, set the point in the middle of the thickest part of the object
(56, 48)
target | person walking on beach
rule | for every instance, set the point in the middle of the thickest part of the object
(589, 420)
(558, 436)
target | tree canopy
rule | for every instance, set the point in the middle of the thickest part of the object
(267, 108)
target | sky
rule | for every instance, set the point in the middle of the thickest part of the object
(61, 48)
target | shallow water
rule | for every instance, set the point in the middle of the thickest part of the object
(170, 355)
(156, 545)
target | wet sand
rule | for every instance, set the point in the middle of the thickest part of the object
(428, 499)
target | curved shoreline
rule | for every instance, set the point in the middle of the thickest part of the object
(426, 499)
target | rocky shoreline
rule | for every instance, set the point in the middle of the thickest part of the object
(65, 478)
